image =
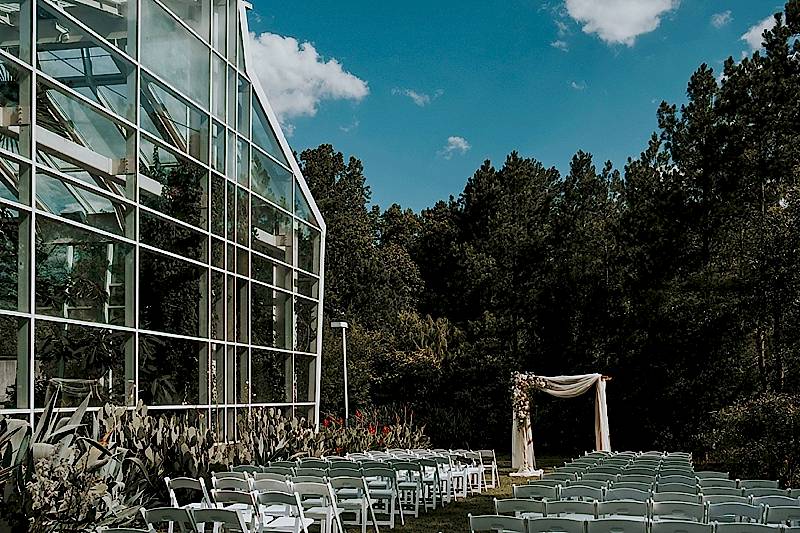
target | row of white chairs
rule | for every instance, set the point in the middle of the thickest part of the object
(510, 524)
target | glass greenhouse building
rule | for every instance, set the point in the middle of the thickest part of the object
(159, 243)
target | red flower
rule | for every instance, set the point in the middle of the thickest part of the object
(341, 420)
(358, 414)
(326, 422)
(386, 430)
(372, 430)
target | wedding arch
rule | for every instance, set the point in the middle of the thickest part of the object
(522, 455)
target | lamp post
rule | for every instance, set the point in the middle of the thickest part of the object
(344, 326)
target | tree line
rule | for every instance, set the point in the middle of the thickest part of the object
(678, 275)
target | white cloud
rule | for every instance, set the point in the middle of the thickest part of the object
(455, 145)
(753, 36)
(619, 21)
(419, 98)
(560, 45)
(721, 19)
(350, 127)
(296, 78)
(578, 85)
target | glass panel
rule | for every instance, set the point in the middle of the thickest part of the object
(301, 207)
(219, 80)
(9, 31)
(242, 214)
(242, 376)
(11, 267)
(73, 202)
(95, 357)
(217, 253)
(72, 56)
(174, 54)
(217, 205)
(13, 362)
(196, 14)
(79, 134)
(173, 119)
(218, 148)
(80, 274)
(172, 185)
(230, 221)
(307, 285)
(217, 305)
(243, 107)
(113, 184)
(272, 317)
(242, 261)
(231, 262)
(232, 88)
(233, 17)
(172, 296)
(217, 377)
(269, 374)
(271, 180)
(308, 241)
(220, 29)
(306, 325)
(230, 319)
(270, 272)
(305, 372)
(264, 135)
(242, 162)
(242, 311)
(13, 80)
(272, 231)
(172, 371)
(172, 237)
(111, 21)
(14, 177)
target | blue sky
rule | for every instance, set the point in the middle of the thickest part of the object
(424, 92)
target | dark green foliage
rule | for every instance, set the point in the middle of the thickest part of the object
(679, 276)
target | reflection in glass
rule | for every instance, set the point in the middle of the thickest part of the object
(173, 119)
(272, 230)
(308, 243)
(220, 29)
(242, 384)
(73, 202)
(307, 285)
(171, 295)
(301, 207)
(242, 310)
(172, 371)
(87, 65)
(243, 107)
(217, 305)
(263, 135)
(217, 204)
(172, 237)
(75, 132)
(82, 359)
(12, 80)
(111, 22)
(80, 274)
(13, 361)
(174, 54)
(13, 176)
(10, 265)
(195, 14)
(172, 185)
(272, 317)
(218, 147)
(305, 376)
(271, 180)
(270, 272)
(242, 214)
(269, 374)
(242, 165)
(305, 325)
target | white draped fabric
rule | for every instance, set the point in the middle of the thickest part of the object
(522, 456)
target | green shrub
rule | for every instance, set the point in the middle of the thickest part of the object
(758, 438)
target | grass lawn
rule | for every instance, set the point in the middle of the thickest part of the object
(453, 518)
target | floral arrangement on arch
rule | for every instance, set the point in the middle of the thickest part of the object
(523, 386)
